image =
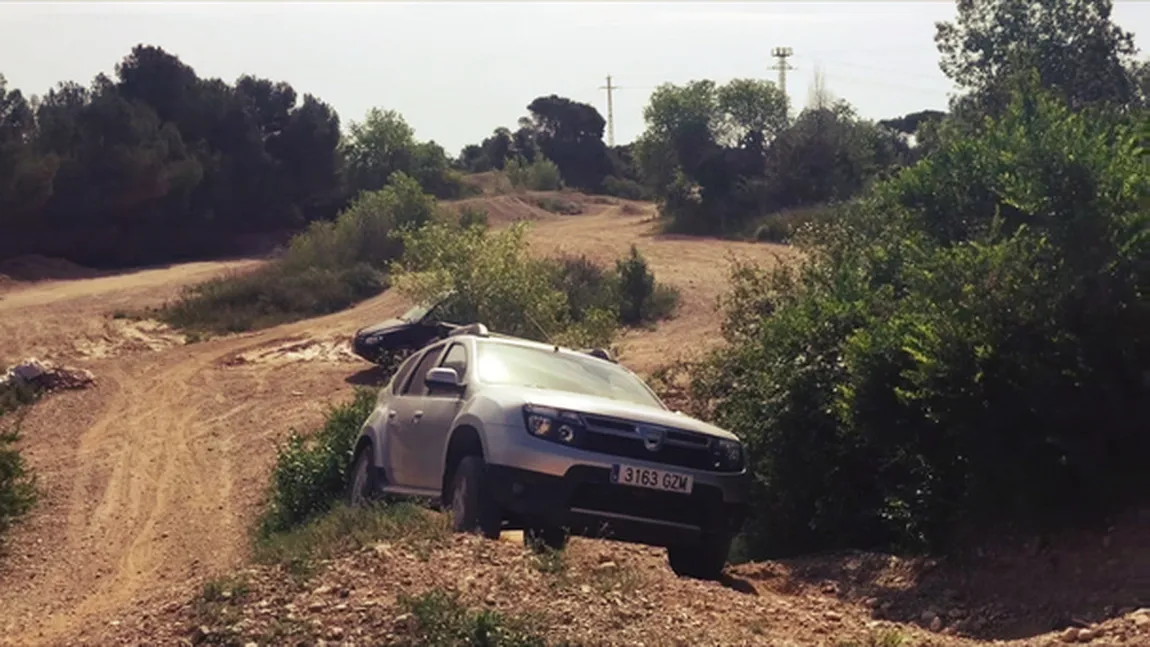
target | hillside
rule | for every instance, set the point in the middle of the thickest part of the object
(151, 479)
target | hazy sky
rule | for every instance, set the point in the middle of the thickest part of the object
(458, 70)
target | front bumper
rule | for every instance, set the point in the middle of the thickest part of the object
(584, 502)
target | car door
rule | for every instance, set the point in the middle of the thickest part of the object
(404, 424)
(440, 406)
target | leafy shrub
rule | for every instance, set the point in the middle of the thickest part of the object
(328, 267)
(17, 485)
(539, 175)
(559, 206)
(641, 298)
(962, 348)
(773, 230)
(311, 471)
(472, 216)
(624, 188)
(440, 618)
(494, 280)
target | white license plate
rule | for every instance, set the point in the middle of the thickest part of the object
(652, 479)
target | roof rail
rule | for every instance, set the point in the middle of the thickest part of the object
(476, 329)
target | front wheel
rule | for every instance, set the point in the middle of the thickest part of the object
(473, 509)
(704, 560)
(537, 537)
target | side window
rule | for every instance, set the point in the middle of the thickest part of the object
(404, 370)
(456, 358)
(415, 385)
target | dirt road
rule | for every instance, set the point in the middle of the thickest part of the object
(155, 474)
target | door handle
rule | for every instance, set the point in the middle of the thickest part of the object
(415, 417)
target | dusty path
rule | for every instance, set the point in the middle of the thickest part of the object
(156, 474)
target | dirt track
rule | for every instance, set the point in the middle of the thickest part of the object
(155, 474)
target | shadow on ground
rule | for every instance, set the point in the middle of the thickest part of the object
(1011, 590)
(376, 376)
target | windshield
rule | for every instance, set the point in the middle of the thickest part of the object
(512, 364)
(417, 312)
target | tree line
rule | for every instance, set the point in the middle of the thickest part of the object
(158, 164)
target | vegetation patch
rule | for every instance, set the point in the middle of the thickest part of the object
(493, 279)
(440, 618)
(17, 483)
(936, 362)
(328, 267)
(541, 174)
(559, 206)
(342, 529)
(311, 471)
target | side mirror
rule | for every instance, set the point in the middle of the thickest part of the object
(443, 376)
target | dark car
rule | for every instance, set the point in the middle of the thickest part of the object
(411, 331)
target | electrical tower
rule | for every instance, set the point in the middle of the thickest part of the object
(782, 54)
(610, 110)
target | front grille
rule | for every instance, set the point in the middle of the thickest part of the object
(621, 438)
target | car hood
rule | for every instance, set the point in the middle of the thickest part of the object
(515, 397)
(383, 326)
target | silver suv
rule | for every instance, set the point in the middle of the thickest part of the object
(514, 434)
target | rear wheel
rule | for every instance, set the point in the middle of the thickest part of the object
(364, 486)
(704, 560)
(473, 509)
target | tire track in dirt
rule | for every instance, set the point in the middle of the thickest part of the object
(159, 479)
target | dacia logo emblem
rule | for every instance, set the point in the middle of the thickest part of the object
(652, 437)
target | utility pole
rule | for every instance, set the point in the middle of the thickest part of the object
(782, 54)
(610, 111)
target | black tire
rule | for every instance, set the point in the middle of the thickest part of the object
(539, 536)
(363, 486)
(702, 561)
(472, 507)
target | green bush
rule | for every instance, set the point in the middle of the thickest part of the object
(17, 485)
(311, 471)
(540, 175)
(472, 216)
(641, 298)
(494, 280)
(561, 207)
(328, 267)
(965, 347)
(440, 618)
(624, 188)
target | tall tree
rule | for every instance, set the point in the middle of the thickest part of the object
(1076, 47)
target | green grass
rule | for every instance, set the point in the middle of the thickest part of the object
(440, 619)
(344, 529)
(270, 296)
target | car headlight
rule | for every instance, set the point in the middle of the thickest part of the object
(727, 455)
(564, 427)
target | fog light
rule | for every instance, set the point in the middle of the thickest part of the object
(566, 433)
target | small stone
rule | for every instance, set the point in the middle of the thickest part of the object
(936, 624)
(833, 616)
(252, 644)
(315, 606)
(928, 616)
(323, 590)
(604, 567)
(1086, 635)
(335, 633)
(584, 589)
(1070, 635)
